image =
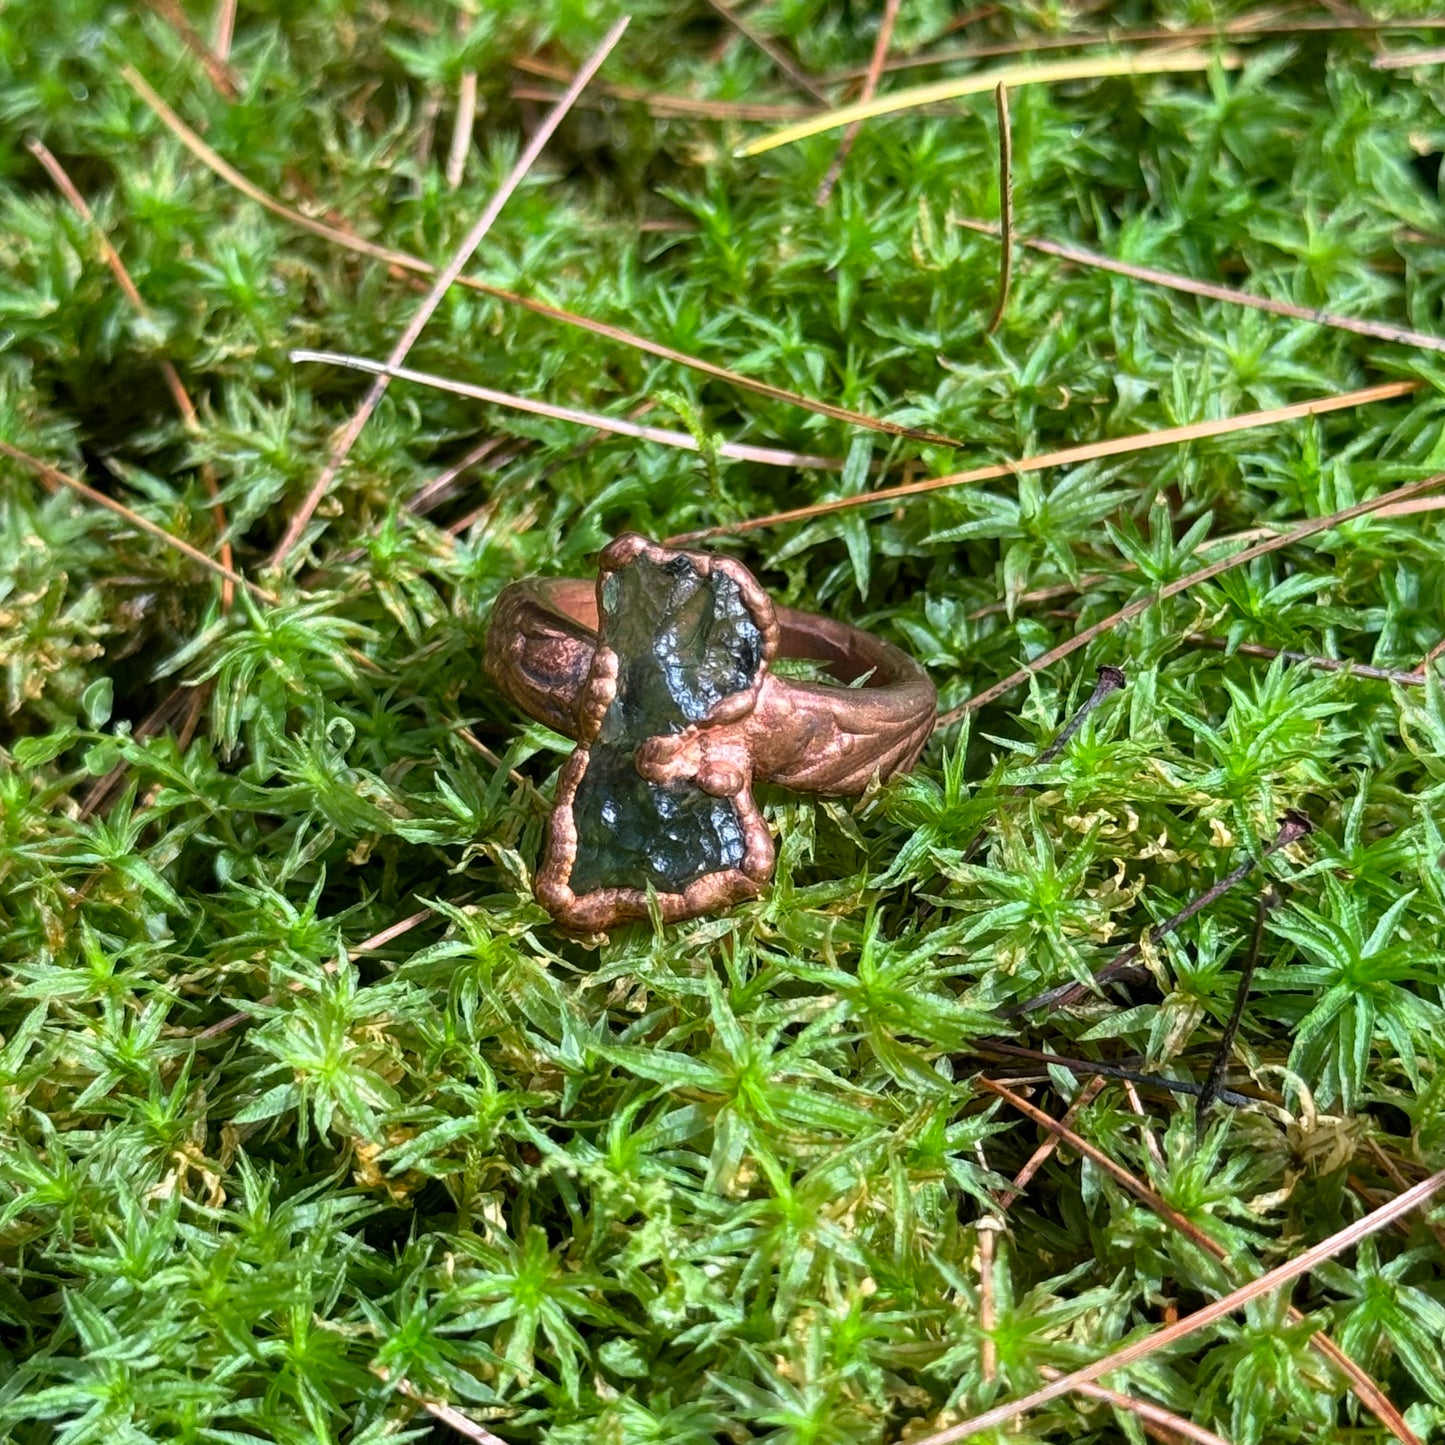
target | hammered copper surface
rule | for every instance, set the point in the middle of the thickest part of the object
(542, 653)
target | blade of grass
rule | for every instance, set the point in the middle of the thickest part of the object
(1068, 457)
(174, 384)
(404, 261)
(1080, 256)
(1183, 584)
(738, 451)
(1093, 67)
(870, 87)
(296, 528)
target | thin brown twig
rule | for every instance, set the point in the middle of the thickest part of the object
(1005, 204)
(1096, 260)
(195, 704)
(56, 477)
(432, 495)
(462, 130)
(1117, 1172)
(367, 945)
(683, 441)
(989, 1227)
(1059, 589)
(217, 71)
(659, 102)
(1383, 1159)
(431, 108)
(402, 260)
(1404, 59)
(440, 1410)
(1171, 1425)
(131, 292)
(1438, 650)
(1036, 1161)
(1172, 589)
(1292, 828)
(1047, 1062)
(225, 30)
(1365, 1388)
(1253, 534)
(772, 50)
(1398, 1179)
(1048, 594)
(1110, 680)
(466, 117)
(870, 86)
(465, 523)
(1162, 1339)
(103, 787)
(969, 17)
(346, 439)
(1068, 457)
(435, 490)
(1305, 659)
(466, 735)
(1244, 29)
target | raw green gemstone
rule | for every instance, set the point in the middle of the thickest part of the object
(684, 641)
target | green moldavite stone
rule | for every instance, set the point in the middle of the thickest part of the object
(683, 642)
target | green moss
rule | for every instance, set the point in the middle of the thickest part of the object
(721, 1184)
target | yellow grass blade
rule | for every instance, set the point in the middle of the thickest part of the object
(1089, 67)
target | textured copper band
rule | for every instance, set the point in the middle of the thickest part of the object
(711, 635)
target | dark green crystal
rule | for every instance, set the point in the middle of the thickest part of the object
(684, 641)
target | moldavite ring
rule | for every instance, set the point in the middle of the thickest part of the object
(661, 671)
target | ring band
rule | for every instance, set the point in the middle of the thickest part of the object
(677, 711)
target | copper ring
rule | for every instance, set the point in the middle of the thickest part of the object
(544, 654)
